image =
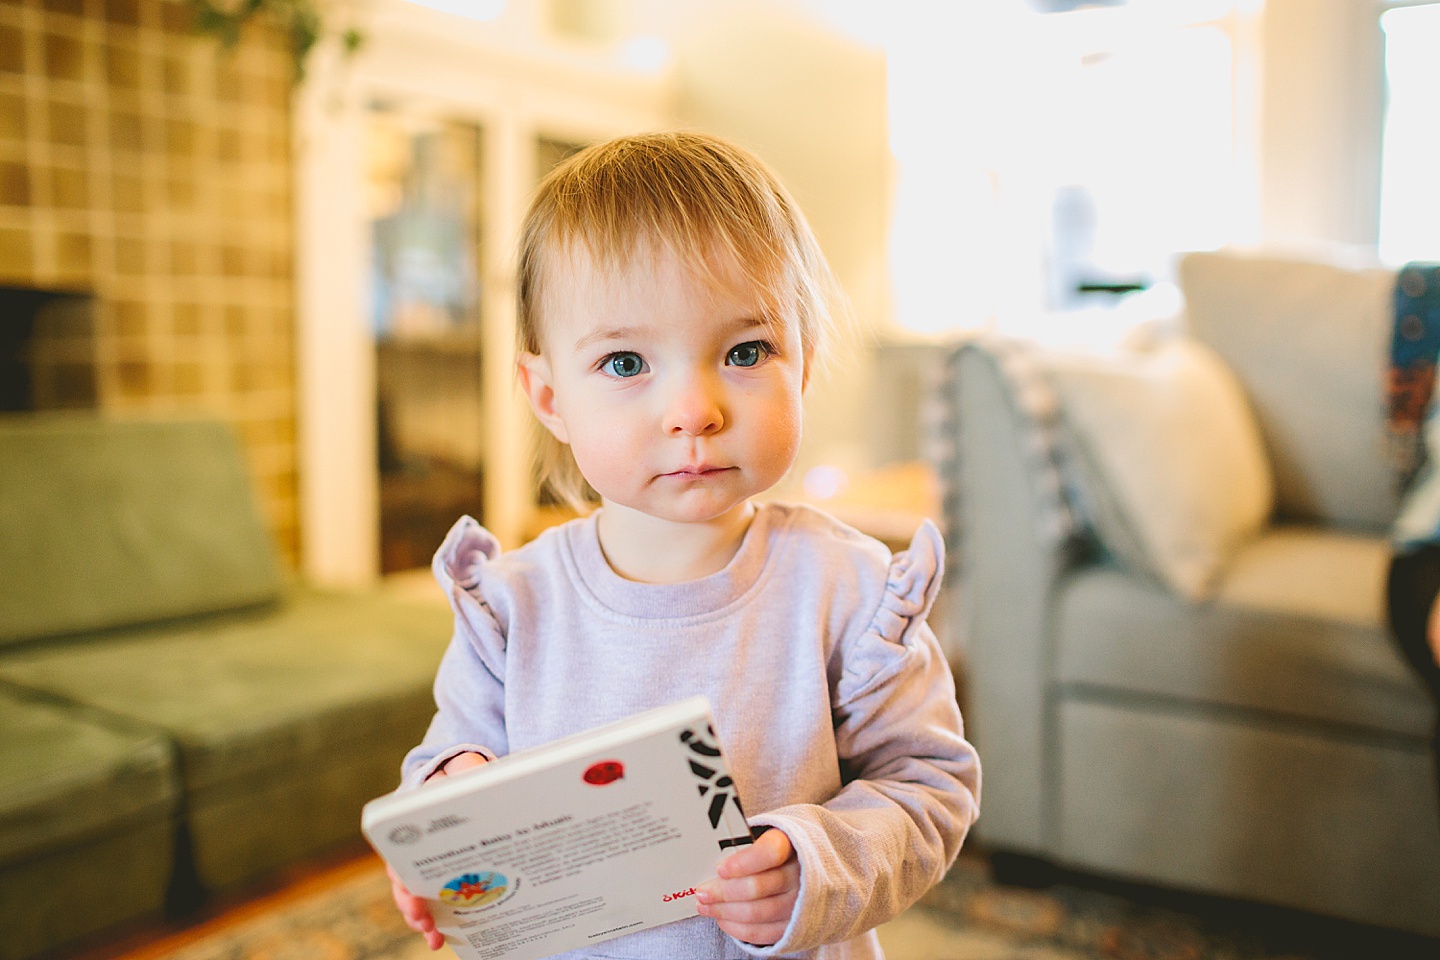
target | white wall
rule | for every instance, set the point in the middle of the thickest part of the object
(1320, 118)
(810, 101)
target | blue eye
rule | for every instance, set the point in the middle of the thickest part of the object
(749, 353)
(624, 365)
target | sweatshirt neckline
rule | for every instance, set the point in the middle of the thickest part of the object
(650, 601)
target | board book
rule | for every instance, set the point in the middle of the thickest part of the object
(567, 845)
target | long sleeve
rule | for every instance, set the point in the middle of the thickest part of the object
(470, 684)
(912, 781)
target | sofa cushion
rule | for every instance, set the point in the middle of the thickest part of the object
(110, 523)
(1240, 806)
(1175, 477)
(1308, 340)
(1294, 631)
(285, 721)
(1311, 572)
(68, 776)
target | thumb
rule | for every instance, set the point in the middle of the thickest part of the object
(463, 762)
(770, 850)
(456, 764)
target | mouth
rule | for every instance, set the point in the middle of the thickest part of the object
(697, 471)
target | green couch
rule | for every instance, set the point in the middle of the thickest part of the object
(175, 716)
(1265, 741)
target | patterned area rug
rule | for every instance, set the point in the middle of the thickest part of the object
(349, 916)
(1077, 916)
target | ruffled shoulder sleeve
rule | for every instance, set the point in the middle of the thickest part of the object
(891, 641)
(458, 567)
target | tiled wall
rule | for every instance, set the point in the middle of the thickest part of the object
(141, 164)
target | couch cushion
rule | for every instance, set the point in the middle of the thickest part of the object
(67, 776)
(240, 693)
(1311, 572)
(1308, 340)
(1295, 630)
(1175, 477)
(280, 718)
(112, 522)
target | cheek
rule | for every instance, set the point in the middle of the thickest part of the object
(603, 452)
(779, 438)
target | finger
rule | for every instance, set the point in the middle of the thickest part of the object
(760, 934)
(768, 852)
(759, 886)
(462, 762)
(404, 899)
(776, 909)
(456, 764)
(414, 912)
(412, 908)
(418, 919)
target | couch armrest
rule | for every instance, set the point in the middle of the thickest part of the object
(1007, 570)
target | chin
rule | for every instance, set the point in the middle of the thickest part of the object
(695, 514)
(688, 510)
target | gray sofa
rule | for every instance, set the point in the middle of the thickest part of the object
(176, 716)
(1265, 742)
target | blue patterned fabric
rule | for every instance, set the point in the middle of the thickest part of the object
(1414, 419)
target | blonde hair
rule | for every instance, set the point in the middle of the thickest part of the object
(704, 199)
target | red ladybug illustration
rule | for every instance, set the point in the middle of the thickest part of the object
(606, 771)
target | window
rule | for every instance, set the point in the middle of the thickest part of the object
(1051, 160)
(1409, 189)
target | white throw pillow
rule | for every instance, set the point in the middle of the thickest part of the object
(1173, 466)
(1310, 342)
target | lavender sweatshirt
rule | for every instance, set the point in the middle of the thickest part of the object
(831, 698)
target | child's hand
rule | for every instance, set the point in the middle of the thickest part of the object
(412, 908)
(456, 764)
(755, 893)
(416, 913)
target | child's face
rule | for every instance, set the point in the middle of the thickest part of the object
(676, 398)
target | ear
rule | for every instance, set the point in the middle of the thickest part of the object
(535, 378)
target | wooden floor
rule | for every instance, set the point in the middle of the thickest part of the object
(157, 939)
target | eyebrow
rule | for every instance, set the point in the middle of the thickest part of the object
(610, 333)
(743, 322)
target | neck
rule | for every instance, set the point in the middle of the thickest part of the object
(649, 549)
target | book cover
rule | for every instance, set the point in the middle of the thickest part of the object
(588, 838)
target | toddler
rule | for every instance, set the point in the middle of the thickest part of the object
(672, 304)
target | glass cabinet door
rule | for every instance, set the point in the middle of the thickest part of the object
(424, 208)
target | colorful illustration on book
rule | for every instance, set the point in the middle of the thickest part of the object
(718, 786)
(474, 889)
(605, 772)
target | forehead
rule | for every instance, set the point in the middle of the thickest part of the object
(582, 286)
(645, 263)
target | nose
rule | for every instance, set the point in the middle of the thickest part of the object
(693, 409)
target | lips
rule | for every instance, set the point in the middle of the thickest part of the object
(697, 471)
